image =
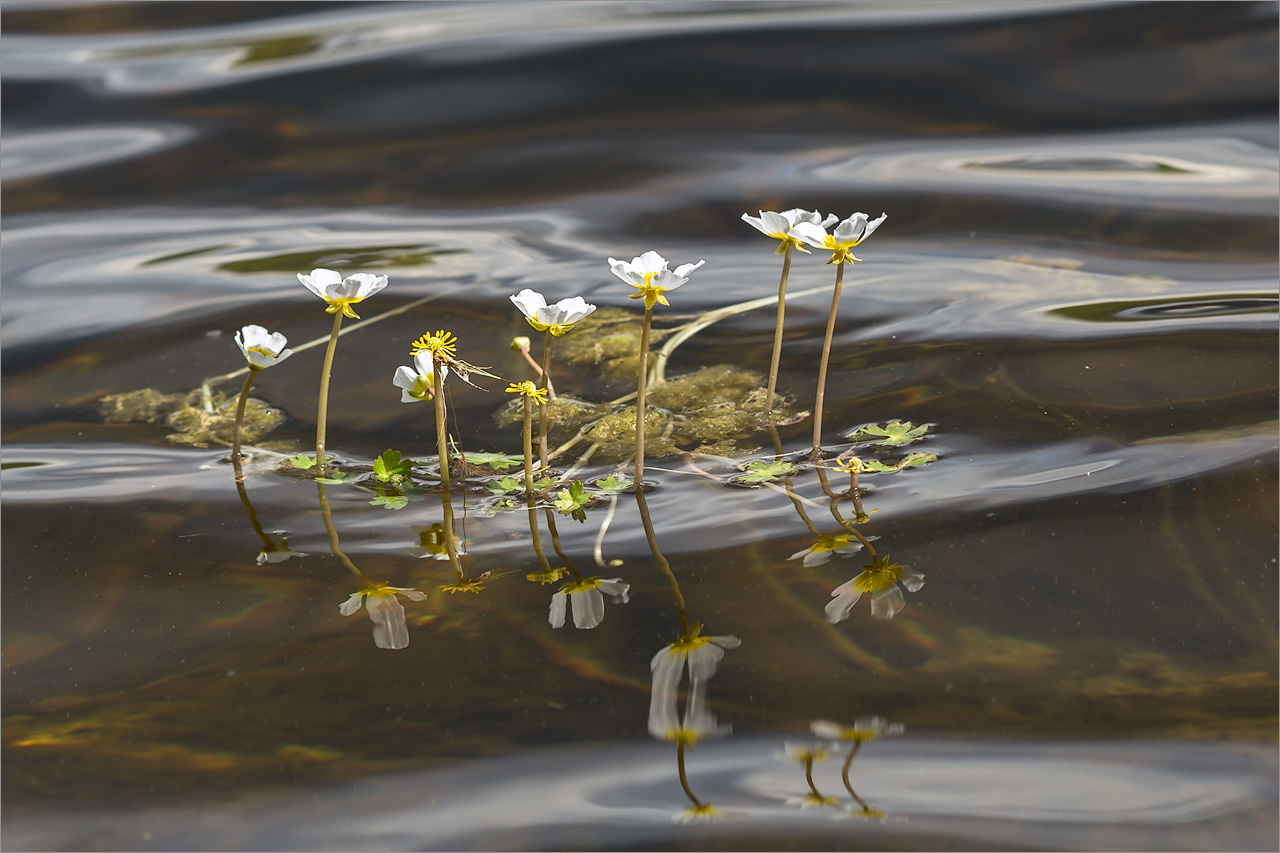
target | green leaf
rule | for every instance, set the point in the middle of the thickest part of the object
(892, 434)
(503, 486)
(338, 477)
(390, 501)
(877, 465)
(496, 461)
(612, 485)
(389, 467)
(766, 472)
(302, 461)
(573, 501)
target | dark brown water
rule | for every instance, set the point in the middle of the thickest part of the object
(1076, 287)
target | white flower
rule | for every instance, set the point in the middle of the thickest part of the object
(863, 729)
(418, 383)
(277, 552)
(779, 225)
(557, 319)
(848, 234)
(650, 275)
(262, 348)
(386, 612)
(820, 551)
(881, 579)
(702, 655)
(341, 293)
(587, 600)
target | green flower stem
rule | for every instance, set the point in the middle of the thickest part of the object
(663, 564)
(684, 779)
(322, 412)
(543, 416)
(326, 513)
(640, 390)
(777, 332)
(844, 776)
(240, 407)
(442, 450)
(822, 366)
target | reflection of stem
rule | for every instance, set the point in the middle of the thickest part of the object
(322, 411)
(326, 513)
(604, 528)
(795, 499)
(808, 776)
(777, 441)
(684, 779)
(844, 776)
(822, 366)
(537, 536)
(543, 416)
(253, 513)
(662, 563)
(640, 389)
(555, 543)
(442, 449)
(777, 333)
(240, 407)
(840, 519)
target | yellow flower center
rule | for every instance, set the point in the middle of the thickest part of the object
(343, 305)
(877, 577)
(440, 342)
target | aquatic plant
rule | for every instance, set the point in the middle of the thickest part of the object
(385, 611)
(340, 294)
(808, 754)
(586, 599)
(648, 273)
(820, 551)
(841, 242)
(262, 349)
(880, 579)
(779, 226)
(863, 729)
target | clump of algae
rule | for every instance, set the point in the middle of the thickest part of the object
(607, 340)
(616, 433)
(192, 425)
(719, 406)
(563, 412)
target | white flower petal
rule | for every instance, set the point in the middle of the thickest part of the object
(816, 558)
(649, 262)
(615, 589)
(798, 554)
(812, 234)
(684, 270)
(843, 598)
(529, 302)
(558, 602)
(704, 661)
(352, 604)
(366, 284)
(826, 729)
(411, 594)
(885, 605)
(587, 606)
(389, 628)
(320, 280)
(912, 582)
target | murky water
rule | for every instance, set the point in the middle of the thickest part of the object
(1075, 287)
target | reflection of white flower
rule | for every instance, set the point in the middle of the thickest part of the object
(587, 600)
(807, 752)
(820, 551)
(779, 225)
(277, 552)
(386, 612)
(649, 274)
(848, 234)
(880, 578)
(863, 729)
(703, 812)
(341, 293)
(557, 319)
(262, 348)
(417, 384)
(702, 655)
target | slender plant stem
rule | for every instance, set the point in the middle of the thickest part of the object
(684, 779)
(822, 367)
(844, 776)
(808, 776)
(555, 543)
(640, 390)
(326, 513)
(528, 447)
(240, 407)
(322, 412)
(442, 450)
(777, 332)
(662, 562)
(834, 505)
(253, 515)
(598, 553)
(543, 416)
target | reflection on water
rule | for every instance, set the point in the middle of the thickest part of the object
(1074, 295)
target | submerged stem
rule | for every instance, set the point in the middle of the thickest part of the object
(640, 390)
(822, 366)
(777, 332)
(240, 407)
(322, 411)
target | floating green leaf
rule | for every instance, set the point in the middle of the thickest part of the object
(302, 460)
(504, 486)
(390, 501)
(335, 479)
(766, 472)
(613, 485)
(573, 501)
(892, 434)
(496, 461)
